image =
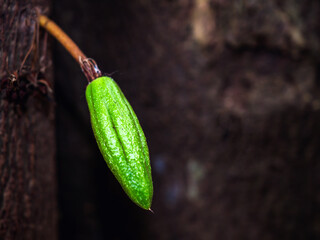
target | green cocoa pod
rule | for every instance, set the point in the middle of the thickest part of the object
(120, 139)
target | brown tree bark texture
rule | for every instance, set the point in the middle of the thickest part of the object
(27, 139)
(228, 95)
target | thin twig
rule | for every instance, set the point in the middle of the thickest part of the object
(88, 65)
(63, 38)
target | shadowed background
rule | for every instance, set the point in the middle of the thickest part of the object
(227, 93)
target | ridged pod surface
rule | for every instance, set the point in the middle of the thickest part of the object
(120, 139)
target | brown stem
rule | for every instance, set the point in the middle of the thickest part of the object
(63, 38)
(88, 65)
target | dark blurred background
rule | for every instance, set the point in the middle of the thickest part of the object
(227, 93)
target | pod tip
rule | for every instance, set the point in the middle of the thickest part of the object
(151, 210)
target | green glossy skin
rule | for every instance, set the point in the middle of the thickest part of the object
(120, 139)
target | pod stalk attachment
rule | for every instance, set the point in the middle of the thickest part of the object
(89, 68)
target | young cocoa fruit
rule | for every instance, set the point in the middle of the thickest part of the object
(120, 139)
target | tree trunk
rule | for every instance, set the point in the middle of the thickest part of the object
(27, 138)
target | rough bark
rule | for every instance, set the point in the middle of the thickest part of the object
(27, 138)
(228, 95)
